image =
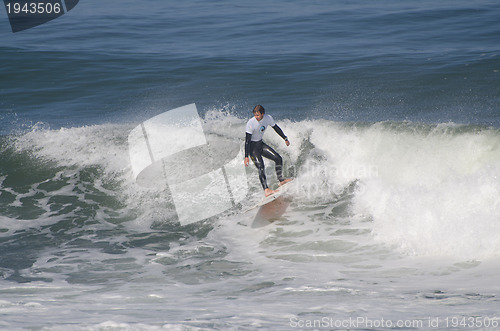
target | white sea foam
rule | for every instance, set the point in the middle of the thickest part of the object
(371, 204)
(428, 190)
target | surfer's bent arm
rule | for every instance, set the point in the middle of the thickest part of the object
(280, 132)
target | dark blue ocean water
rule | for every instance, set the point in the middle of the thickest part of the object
(393, 112)
(363, 61)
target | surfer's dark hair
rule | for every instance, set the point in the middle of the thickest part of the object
(259, 109)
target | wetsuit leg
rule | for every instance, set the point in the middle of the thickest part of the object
(271, 154)
(256, 156)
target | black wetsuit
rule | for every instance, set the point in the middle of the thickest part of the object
(258, 149)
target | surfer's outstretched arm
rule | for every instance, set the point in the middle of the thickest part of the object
(281, 133)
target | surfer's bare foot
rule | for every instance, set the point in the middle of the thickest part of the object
(285, 181)
(268, 192)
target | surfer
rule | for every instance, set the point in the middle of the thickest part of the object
(256, 148)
